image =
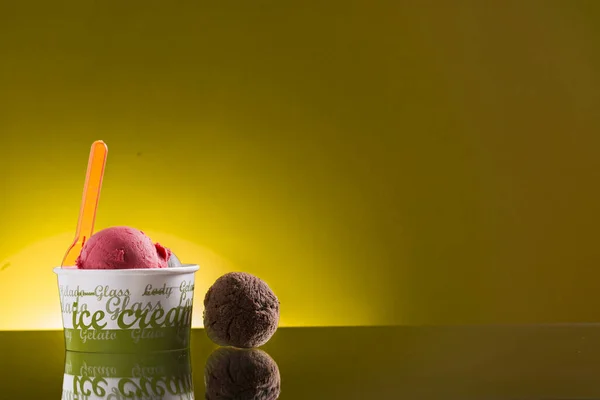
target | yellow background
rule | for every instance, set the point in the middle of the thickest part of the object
(375, 162)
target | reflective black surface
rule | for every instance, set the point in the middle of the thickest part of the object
(494, 362)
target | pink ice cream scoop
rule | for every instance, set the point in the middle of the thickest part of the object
(122, 247)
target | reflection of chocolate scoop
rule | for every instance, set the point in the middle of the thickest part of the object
(235, 374)
(240, 310)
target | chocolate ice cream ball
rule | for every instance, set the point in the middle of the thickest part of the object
(240, 310)
(248, 374)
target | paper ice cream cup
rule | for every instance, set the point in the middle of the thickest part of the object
(159, 375)
(126, 311)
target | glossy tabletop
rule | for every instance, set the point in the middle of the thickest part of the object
(466, 362)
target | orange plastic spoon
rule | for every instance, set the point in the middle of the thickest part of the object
(89, 202)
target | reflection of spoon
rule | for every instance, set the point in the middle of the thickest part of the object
(89, 202)
(249, 374)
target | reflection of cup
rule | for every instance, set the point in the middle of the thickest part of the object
(250, 374)
(128, 310)
(158, 375)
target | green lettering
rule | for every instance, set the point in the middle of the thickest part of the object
(120, 321)
(171, 317)
(134, 392)
(156, 315)
(97, 317)
(82, 323)
(141, 316)
(74, 315)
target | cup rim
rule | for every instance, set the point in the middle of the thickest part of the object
(184, 269)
